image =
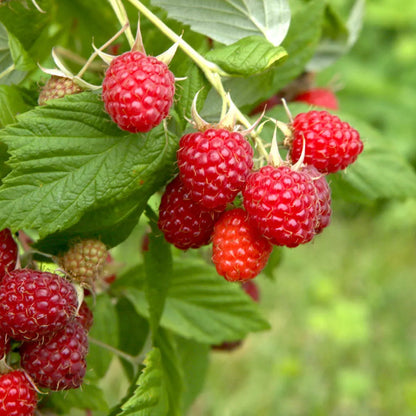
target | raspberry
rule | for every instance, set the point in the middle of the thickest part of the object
(8, 252)
(59, 363)
(85, 260)
(281, 202)
(251, 289)
(323, 193)
(330, 144)
(58, 87)
(184, 223)
(322, 97)
(239, 252)
(17, 395)
(214, 165)
(85, 316)
(138, 91)
(34, 304)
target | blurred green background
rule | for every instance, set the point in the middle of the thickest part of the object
(343, 309)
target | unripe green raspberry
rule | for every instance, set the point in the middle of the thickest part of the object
(85, 260)
(58, 87)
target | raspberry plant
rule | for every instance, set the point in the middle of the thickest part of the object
(110, 164)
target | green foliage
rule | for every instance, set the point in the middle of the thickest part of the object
(247, 56)
(230, 21)
(68, 172)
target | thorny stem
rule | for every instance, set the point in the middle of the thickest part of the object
(133, 360)
(7, 71)
(211, 71)
(122, 17)
(130, 358)
(96, 52)
(77, 59)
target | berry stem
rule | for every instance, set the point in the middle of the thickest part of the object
(134, 361)
(122, 17)
(211, 71)
(101, 48)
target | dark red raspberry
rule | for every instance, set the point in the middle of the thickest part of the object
(323, 193)
(138, 91)
(251, 289)
(239, 251)
(58, 363)
(214, 165)
(4, 345)
(17, 395)
(58, 87)
(184, 223)
(330, 144)
(85, 316)
(8, 252)
(281, 202)
(322, 97)
(34, 304)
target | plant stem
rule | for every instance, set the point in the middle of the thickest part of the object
(135, 361)
(122, 17)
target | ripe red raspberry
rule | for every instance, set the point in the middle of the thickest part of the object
(17, 395)
(58, 363)
(330, 144)
(281, 202)
(85, 316)
(58, 87)
(138, 91)
(239, 252)
(322, 97)
(323, 193)
(85, 260)
(34, 304)
(184, 223)
(214, 165)
(8, 252)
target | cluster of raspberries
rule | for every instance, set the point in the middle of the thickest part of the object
(42, 321)
(285, 205)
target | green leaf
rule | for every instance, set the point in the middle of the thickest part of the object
(158, 267)
(172, 374)
(104, 329)
(69, 159)
(300, 43)
(379, 171)
(338, 36)
(194, 358)
(21, 59)
(11, 104)
(8, 73)
(131, 337)
(227, 21)
(202, 306)
(274, 261)
(247, 56)
(195, 82)
(150, 396)
(89, 396)
(25, 21)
